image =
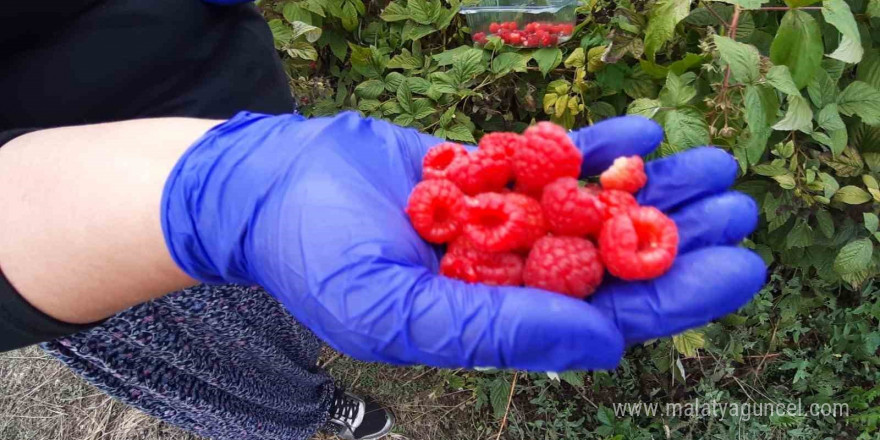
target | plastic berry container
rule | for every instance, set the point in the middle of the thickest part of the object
(521, 23)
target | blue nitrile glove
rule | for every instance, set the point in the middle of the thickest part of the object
(313, 210)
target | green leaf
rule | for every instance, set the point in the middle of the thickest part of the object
(854, 257)
(418, 85)
(421, 11)
(873, 9)
(852, 195)
(577, 58)
(467, 65)
(798, 45)
(825, 222)
(460, 132)
(786, 181)
(800, 3)
(367, 61)
(404, 98)
(677, 91)
(281, 33)
(370, 89)
(548, 58)
(800, 236)
(743, 59)
(293, 12)
(573, 378)
(422, 108)
(871, 221)
(689, 342)
(780, 78)
(509, 61)
(663, 16)
(822, 88)
(829, 118)
(644, 107)
(349, 16)
(860, 99)
(798, 116)
(311, 33)
(302, 50)
(405, 60)
(838, 14)
(368, 105)
(761, 105)
(336, 42)
(745, 4)
(685, 127)
(414, 31)
(445, 58)
(869, 69)
(499, 391)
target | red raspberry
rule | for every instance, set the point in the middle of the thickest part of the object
(494, 28)
(515, 38)
(533, 41)
(532, 27)
(432, 207)
(547, 155)
(567, 265)
(570, 209)
(436, 162)
(553, 40)
(616, 202)
(502, 144)
(626, 174)
(480, 172)
(464, 262)
(510, 25)
(496, 222)
(567, 29)
(639, 245)
(480, 37)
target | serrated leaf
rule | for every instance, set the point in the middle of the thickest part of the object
(418, 85)
(573, 378)
(854, 257)
(367, 61)
(311, 33)
(509, 61)
(869, 69)
(745, 4)
(393, 80)
(460, 132)
(413, 31)
(548, 58)
(445, 58)
(685, 127)
(302, 50)
(743, 59)
(281, 33)
(677, 91)
(421, 11)
(499, 391)
(577, 58)
(829, 118)
(798, 116)
(663, 16)
(349, 16)
(871, 221)
(594, 58)
(873, 9)
(404, 98)
(830, 184)
(847, 164)
(370, 89)
(838, 14)
(337, 43)
(862, 100)
(761, 105)
(405, 60)
(422, 108)
(643, 107)
(689, 342)
(780, 78)
(822, 88)
(467, 66)
(404, 119)
(852, 195)
(800, 236)
(798, 45)
(825, 223)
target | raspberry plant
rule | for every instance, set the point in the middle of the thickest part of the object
(791, 89)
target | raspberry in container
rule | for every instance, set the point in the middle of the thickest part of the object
(521, 23)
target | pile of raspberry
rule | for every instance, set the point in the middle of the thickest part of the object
(534, 34)
(512, 212)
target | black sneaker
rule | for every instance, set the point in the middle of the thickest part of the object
(356, 418)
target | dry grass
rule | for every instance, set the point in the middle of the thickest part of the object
(40, 399)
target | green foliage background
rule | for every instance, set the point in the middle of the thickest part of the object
(791, 89)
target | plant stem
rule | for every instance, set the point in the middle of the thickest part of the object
(507, 411)
(715, 14)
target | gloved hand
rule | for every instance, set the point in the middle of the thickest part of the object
(313, 210)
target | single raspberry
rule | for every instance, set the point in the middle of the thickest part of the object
(496, 222)
(616, 202)
(567, 265)
(439, 157)
(502, 144)
(640, 244)
(494, 28)
(625, 174)
(547, 155)
(479, 172)
(570, 209)
(515, 38)
(432, 210)
(464, 262)
(480, 37)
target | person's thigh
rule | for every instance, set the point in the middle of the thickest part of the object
(225, 362)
